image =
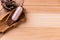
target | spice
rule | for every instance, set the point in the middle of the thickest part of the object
(8, 4)
(15, 16)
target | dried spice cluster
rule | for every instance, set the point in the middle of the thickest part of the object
(8, 4)
(13, 16)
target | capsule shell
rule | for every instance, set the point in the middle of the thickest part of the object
(17, 13)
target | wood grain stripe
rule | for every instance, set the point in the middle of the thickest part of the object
(42, 2)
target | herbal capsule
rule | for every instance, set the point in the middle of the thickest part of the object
(17, 13)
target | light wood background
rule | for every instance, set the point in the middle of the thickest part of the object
(42, 5)
(43, 22)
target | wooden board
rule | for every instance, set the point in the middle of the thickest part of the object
(41, 2)
(38, 27)
(32, 33)
(42, 5)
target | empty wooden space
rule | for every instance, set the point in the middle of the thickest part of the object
(42, 5)
(41, 2)
(29, 33)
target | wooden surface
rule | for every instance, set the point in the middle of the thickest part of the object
(43, 22)
(33, 33)
(42, 5)
(37, 27)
